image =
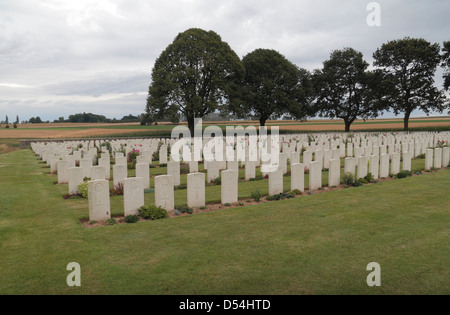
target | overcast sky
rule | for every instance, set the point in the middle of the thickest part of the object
(62, 57)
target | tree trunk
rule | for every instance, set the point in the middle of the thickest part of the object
(191, 125)
(406, 121)
(262, 121)
(347, 125)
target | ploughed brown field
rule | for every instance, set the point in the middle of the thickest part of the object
(70, 130)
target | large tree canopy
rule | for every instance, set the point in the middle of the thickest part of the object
(272, 85)
(409, 65)
(344, 87)
(194, 76)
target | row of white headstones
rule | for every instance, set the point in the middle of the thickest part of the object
(379, 155)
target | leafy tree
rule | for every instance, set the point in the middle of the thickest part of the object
(408, 67)
(17, 120)
(272, 86)
(6, 120)
(446, 64)
(344, 88)
(195, 75)
(87, 118)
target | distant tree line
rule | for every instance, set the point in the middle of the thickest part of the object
(81, 118)
(198, 75)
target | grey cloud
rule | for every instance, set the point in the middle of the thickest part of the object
(75, 55)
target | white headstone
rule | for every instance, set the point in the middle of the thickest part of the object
(63, 173)
(250, 171)
(164, 192)
(395, 163)
(173, 168)
(445, 157)
(163, 154)
(143, 171)
(121, 160)
(334, 172)
(374, 165)
(406, 165)
(438, 158)
(196, 190)
(298, 177)
(429, 159)
(315, 176)
(276, 181)
(350, 166)
(86, 165)
(213, 171)
(97, 172)
(307, 158)
(120, 172)
(362, 167)
(105, 162)
(75, 179)
(99, 204)
(384, 165)
(133, 195)
(193, 166)
(229, 186)
(295, 157)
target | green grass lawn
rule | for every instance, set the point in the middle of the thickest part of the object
(313, 244)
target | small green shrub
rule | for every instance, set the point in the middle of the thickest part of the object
(111, 221)
(259, 177)
(362, 181)
(369, 177)
(226, 204)
(214, 182)
(180, 187)
(185, 209)
(131, 218)
(83, 189)
(203, 208)
(240, 204)
(404, 174)
(163, 165)
(349, 179)
(256, 195)
(152, 213)
(280, 196)
(296, 192)
(73, 196)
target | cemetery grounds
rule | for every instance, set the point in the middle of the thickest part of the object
(312, 244)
